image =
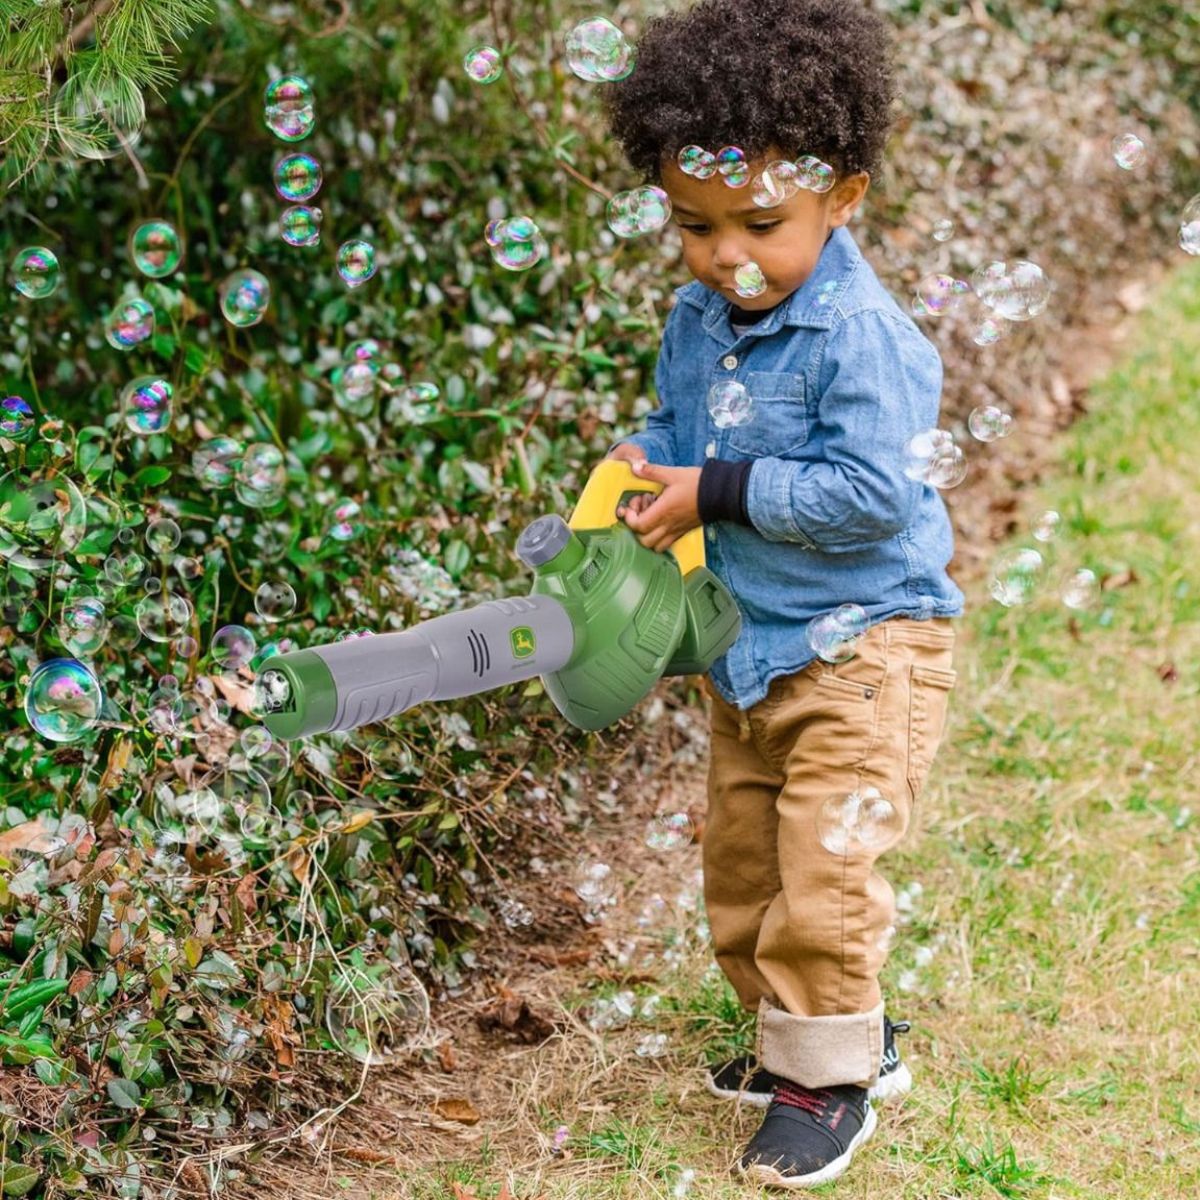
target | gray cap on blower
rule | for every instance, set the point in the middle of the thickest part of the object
(541, 540)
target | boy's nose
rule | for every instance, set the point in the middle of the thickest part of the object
(728, 254)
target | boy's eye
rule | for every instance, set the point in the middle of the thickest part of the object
(765, 226)
(692, 228)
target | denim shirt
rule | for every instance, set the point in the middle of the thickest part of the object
(840, 379)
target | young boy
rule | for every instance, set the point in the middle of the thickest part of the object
(806, 506)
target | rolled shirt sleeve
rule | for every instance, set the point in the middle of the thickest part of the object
(658, 438)
(878, 383)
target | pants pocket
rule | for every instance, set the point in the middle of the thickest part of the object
(928, 704)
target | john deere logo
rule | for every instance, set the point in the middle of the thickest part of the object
(522, 641)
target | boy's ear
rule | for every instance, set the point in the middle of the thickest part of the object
(846, 196)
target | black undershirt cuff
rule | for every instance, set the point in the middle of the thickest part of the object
(722, 492)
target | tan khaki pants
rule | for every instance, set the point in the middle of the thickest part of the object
(798, 929)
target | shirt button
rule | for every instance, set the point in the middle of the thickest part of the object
(710, 450)
(729, 362)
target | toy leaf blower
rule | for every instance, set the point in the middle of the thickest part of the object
(605, 620)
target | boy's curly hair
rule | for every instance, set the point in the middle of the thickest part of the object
(807, 76)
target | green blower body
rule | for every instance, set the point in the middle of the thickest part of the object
(606, 619)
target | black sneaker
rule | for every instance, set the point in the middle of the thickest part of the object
(808, 1136)
(743, 1079)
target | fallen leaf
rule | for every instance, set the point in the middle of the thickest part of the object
(1118, 579)
(358, 821)
(445, 1052)
(363, 1155)
(1168, 673)
(457, 1108)
(245, 893)
(513, 1014)
(297, 860)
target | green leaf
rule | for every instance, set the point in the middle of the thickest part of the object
(457, 557)
(18, 1180)
(124, 1093)
(149, 477)
(322, 605)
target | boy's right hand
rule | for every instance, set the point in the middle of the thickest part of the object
(628, 452)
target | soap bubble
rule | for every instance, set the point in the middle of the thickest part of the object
(1128, 150)
(990, 331)
(932, 457)
(862, 819)
(297, 177)
(1189, 226)
(35, 272)
(275, 601)
(344, 523)
(244, 297)
(516, 242)
(300, 225)
(696, 161)
(598, 52)
(83, 625)
(64, 700)
(155, 248)
(98, 120)
(749, 281)
(146, 404)
(1016, 576)
(1080, 589)
(261, 476)
(42, 515)
(943, 229)
(731, 163)
(777, 182)
(937, 294)
(16, 419)
(1045, 525)
(729, 403)
(1017, 293)
(356, 262)
(215, 461)
(129, 324)
(594, 883)
(987, 423)
(669, 831)
(483, 64)
(232, 646)
(651, 1045)
(376, 1019)
(288, 108)
(354, 387)
(164, 616)
(639, 210)
(948, 468)
(833, 636)
(162, 536)
(363, 350)
(815, 175)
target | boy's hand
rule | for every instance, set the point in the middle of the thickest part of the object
(660, 521)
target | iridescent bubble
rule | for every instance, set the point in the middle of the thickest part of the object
(164, 616)
(42, 516)
(300, 225)
(948, 468)
(356, 262)
(244, 297)
(275, 600)
(83, 625)
(1016, 575)
(1189, 226)
(122, 570)
(35, 272)
(261, 476)
(777, 182)
(922, 449)
(376, 1019)
(594, 882)
(833, 636)
(637, 211)
(598, 52)
(749, 280)
(669, 831)
(146, 404)
(483, 64)
(943, 229)
(215, 461)
(1080, 589)
(232, 646)
(987, 423)
(729, 403)
(64, 700)
(17, 419)
(861, 820)
(516, 242)
(990, 331)
(937, 294)
(1128, 150)
(698, 162)
(731, 163)
(129, 324)
(354, 387)
(815, 175)
(155, 248)
(363, 350)
(297, 177)
(1046, 525)
(1017, 293)
(344, 522)
(97, 119)
(162, 536)
(288, 108)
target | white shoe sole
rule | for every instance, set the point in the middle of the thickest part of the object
(888, 1087)
(830, 1171)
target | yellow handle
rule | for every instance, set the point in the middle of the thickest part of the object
(610, 484)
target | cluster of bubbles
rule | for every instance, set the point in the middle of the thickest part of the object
(1019, 573)
(864, 819)
(729, 403)
(516, 243)
(1016, 292)
(834, 636)
(782, 179)
(989, 423)
(598, 51)
(257, 472)
(483, 64)
(637, 211)
(35, 272)
(933, 457)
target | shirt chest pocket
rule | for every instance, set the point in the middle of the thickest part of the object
(778, 420)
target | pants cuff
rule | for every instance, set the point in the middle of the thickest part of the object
(821, 1051)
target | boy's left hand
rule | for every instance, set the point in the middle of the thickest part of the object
(671, 513)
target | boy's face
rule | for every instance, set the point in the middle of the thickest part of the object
(722, 228)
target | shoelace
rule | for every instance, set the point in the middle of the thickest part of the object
(810, 1100)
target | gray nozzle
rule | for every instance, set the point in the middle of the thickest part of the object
(543, 540)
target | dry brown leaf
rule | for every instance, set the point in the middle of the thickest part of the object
(245, 893)
(298, 861)
(359, 821)
(445, 1053)
(1119, 579)
(1168, 673)
(457, 1108)
(239, 692)
(31, 835)
(513, 1014)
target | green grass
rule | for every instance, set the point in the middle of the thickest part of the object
(1054, 1025)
